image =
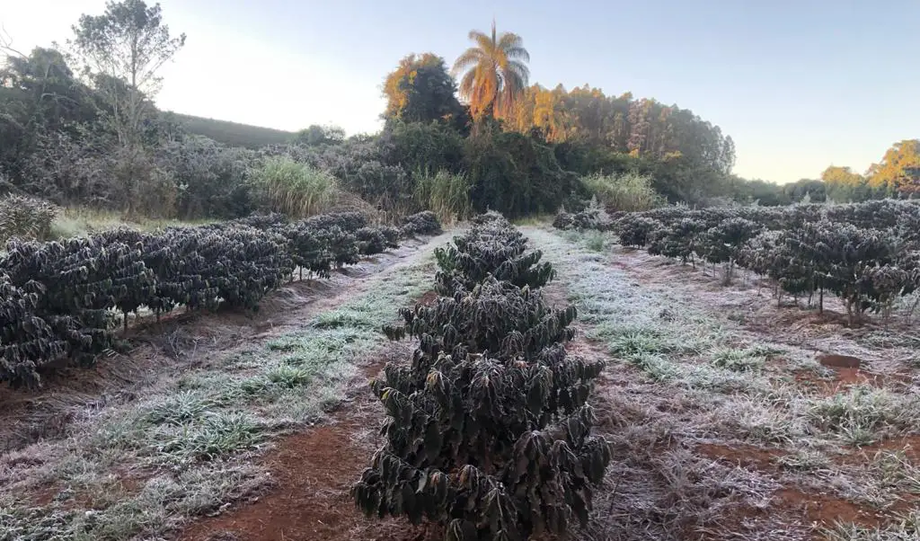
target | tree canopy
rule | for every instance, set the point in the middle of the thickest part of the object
(897, 172)
(421, 90)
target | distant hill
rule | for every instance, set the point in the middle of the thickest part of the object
(222, 131)
(232, 133)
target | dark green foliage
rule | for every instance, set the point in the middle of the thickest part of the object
(495, 316)
(370, 241)
(515, 174)
(866, 253)
(27, 341)
(636, 229)
(421, 90)
(346, 221)
(213, 179)
(723, 243)
(679, 241)
(61, 298)
(419, 146)
(488, 429)
(490, 248)
(856, 264)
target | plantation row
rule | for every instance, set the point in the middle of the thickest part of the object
(868, 254)
(488, 430)
(60, 300)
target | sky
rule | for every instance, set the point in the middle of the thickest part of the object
(799, 85)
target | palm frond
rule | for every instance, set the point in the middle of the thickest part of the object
(521, 69)
(475, 35)
(495, 71)
(470, 57)
(517, 53)
(509, 40)
(486, 44)
(467, 85)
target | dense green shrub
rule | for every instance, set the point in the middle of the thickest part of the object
(420, 146)
(213, 180)
(515, 174)
(637, 230)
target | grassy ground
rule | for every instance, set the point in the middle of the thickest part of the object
(140, 466)
(727, 431)
(76, 222)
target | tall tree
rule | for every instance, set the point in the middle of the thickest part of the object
(123, 49)
(495, 72)
(844, 185)
(897, 171)
(421, 90)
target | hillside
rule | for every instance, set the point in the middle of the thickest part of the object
(232, 133)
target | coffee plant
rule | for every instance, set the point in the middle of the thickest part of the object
(61, 300)
(488, 430)
(422, 223)
(865, 253)
(490, 248)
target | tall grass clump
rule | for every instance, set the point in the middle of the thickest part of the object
(444, 193)
(295, 189)
(629, 192)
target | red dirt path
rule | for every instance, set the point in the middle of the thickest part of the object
(313, 473)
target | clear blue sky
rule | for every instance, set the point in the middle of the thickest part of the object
(798, 85)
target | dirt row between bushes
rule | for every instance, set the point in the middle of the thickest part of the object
(697, 456)
(733, 417)
(724, 424)
(206, 411)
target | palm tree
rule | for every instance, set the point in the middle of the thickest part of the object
(496, 72)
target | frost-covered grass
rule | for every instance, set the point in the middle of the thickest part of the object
(667, 339)
(905, 528)
(681, 371)
(188, 441)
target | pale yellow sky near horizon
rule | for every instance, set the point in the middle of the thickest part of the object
(261, 80)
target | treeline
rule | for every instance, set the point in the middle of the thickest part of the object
(622, 125)
(59, 301)
(896, 175)
(96, 140)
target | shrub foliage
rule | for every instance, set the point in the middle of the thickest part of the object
(868, 254)
(488, 429)
(60, 300)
